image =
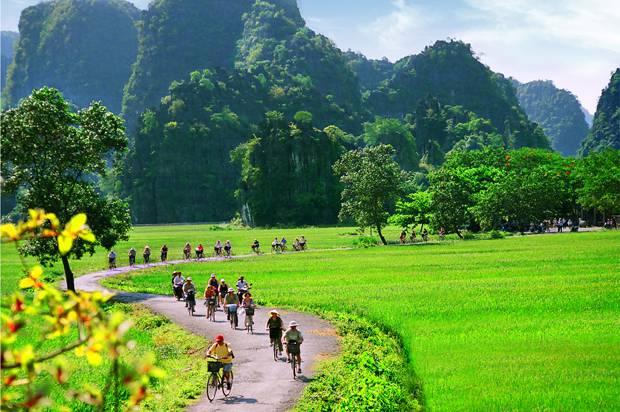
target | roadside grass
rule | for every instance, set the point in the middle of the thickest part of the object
(523, 323)
(175, 350)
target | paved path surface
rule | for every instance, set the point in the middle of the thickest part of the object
(261, 384)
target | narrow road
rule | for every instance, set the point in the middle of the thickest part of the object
(261, 384)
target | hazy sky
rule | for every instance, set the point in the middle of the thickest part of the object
(575, 43)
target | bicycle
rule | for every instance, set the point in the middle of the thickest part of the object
(292, 347)
(275, 340)
(249, 320)
(216, 381)
(234, 318)
(211, 309)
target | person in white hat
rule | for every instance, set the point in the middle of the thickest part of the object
(231, 303)
(293, 340)
(189, 287)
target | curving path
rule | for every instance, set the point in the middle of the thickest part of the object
(260, 383)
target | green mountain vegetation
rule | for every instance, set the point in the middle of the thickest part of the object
(7, 50)
(449, 72)
(369, 72)
(85, 48)
(557, 111)
(605, 132)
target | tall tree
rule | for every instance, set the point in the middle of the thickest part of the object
(598, 181)
(372, 180)
(53, 156)
(398, 135)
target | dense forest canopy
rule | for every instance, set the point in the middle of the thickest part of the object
(557, 111)
(605, 131)
(83, 47)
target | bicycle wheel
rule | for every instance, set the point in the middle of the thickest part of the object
(225, 389)
(294, 366)
(275, 349)
(212, 384)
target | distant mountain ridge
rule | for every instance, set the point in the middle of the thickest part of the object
(557, 111)
(85, 48)
(605, 132)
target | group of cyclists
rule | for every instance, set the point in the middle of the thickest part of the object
(219, 295)
(219, 250)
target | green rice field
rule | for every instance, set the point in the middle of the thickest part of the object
(523, 323)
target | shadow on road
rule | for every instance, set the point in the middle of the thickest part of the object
(239, 399)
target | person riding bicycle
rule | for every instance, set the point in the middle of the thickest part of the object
(242, 288)
(164, 253)
(255, 246)
(132, 256)
(218, 248)
(230, 299)
(146, 254)
(275, 245)
(403, 237)
(425, 235)
(189, 290)
(228, 248)
(178, 282)
(275, 328)
(296, 245)
(223, 289)
(210, 296)
(223, 353)
(293, 339)
(302, 242)
(248, 305)
(442, 233)
(283, 244)
(412, 237)
(200, 251)
(112, 259)
(187, 251)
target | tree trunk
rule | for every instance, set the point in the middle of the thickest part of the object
(381, 235)
(68, 274)
(458, 232)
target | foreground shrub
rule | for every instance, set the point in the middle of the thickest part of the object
(366, 241)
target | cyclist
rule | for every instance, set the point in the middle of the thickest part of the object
(215, 284)
(187, 251)
(231, 302)
(218, 248)
(200, 251)
(178, 282)
(223, 289)
(442, 233)
(255, 246)
(413, 236)
(248, 305)
(112, 259)
(302, 242)
(189, 290)
(242, 288)
(403, 237)
(146, 254)
(210, 298)
(275, 245)
(283, 244)
(293, 335)
(274, 326)
(297, 245)
(164, 253)
(228, 248)
(132, 256)
(222, 351)
(425, 235)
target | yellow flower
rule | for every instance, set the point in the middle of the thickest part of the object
(75, 228)
(33, 279)
(9, 231)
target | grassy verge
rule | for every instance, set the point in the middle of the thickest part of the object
(522, 323)
(176, 351)
(370, 374)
